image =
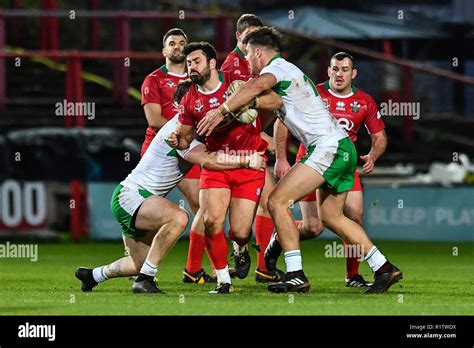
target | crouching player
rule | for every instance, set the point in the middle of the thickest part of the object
(150, 223)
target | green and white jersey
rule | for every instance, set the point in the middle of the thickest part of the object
(158, 171)
(304, 112)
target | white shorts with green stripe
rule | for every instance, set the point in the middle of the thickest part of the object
(125, 203)
(336, 163)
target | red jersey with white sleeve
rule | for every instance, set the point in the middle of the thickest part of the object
(232, 138)
(351, 111)
(159, 87)
(236, 63)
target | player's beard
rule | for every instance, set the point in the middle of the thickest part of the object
(177, 58)
(201, 79)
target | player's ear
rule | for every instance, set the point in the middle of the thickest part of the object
(237, 36)
(163, 52)
(213, 63)
(329, 71)
(354, 73)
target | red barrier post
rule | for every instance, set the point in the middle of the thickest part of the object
(78, 206)
(3, 77)
(74, 90)
(94, 26)
(15, 22)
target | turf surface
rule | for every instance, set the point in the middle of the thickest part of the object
(436, 282)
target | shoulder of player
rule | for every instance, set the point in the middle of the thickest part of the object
(363, 95)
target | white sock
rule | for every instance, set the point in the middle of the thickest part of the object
(149, 268)
(375, 258)
(99, 275)
(293, 261)
(223, 275)
(238, 249)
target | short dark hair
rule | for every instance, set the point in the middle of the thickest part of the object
(174, 31)
(248, 20)
(267, 37)
(206, 47)
(342, 55)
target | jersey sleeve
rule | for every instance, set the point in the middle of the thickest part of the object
(276, 70)
(185, 116)
(183, 153)
(150, 91)
(228, 64)
(373, 121)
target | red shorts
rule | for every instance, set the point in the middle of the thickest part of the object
(312, 196)
(243, 183)
(194, 173)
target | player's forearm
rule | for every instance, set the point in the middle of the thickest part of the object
(269, 101)
(280, 134)
(156, 121)
(242, 97)
(218, 161)
(379, 144)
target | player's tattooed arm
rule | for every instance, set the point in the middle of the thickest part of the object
(280, 134)
(181, 137)
(379, 144)
(153, 115)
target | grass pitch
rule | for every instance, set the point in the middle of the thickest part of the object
(436, 282)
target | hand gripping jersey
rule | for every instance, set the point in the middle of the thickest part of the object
(158, 171)
(304, 113)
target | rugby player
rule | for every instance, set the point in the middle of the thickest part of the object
(236, 63)
(150, 223)
(352, 108)
(329, 164)
(237, 190)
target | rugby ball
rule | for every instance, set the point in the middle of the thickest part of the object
(245, 114)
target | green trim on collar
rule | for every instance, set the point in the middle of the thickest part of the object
(164, 69)
(271, 60)
(221, 76)
(327, 87)
(239, 51)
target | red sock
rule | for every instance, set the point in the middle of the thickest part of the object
(263, 231)
(197, 244)
(217, 248)
(352, 264)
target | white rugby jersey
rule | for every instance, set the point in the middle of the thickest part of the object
(304, 112)
(158, 171)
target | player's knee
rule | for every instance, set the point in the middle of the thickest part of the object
(263, 207)
(275, 203)
(357, 216)
(213, 222)
(314, 228)
(181, 220)
(241, 236)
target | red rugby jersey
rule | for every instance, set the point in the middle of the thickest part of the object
(352, 110)
(235, 136)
